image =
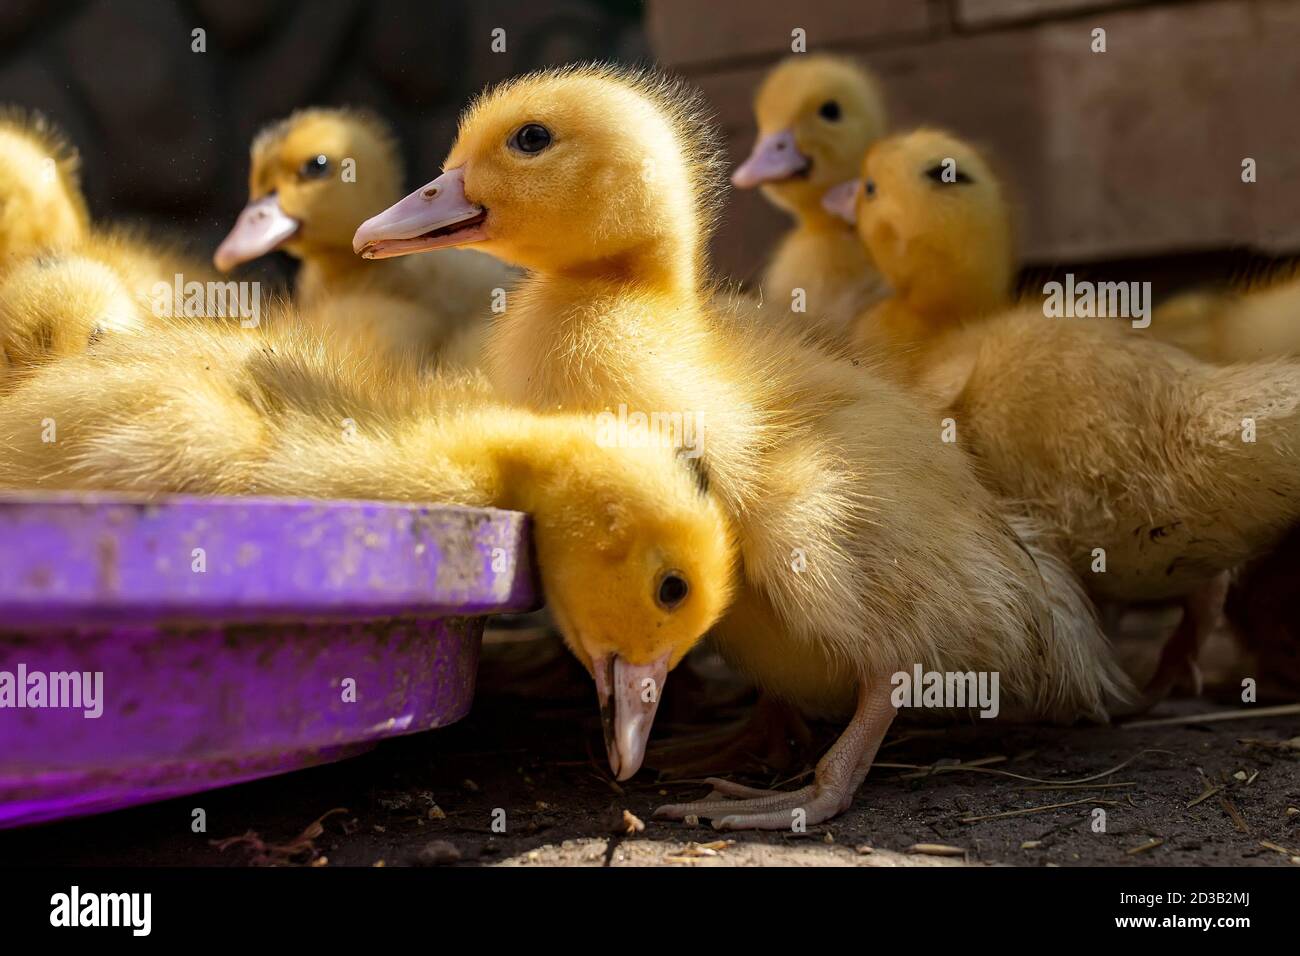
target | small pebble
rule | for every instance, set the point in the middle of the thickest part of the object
(437, 853)
(863, 850)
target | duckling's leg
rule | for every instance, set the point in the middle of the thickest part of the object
(772, 736)
(1202, 612)
(838, 776)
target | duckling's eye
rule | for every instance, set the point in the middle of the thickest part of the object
(830, 110)
(531, 138)
(947, 173)
(318, 167)
(869, 187)
(672, 590)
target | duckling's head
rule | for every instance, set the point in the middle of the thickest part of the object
(637, 561)
(816, 114)
(583, 170)
(314, 177)
(41, 205)
(932, 213)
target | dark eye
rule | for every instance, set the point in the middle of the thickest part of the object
(531, 138)
(672, 590)
(318, 167)
(869, 187)
(938, 172)
(830, 110)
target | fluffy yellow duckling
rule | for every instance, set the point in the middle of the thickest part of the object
(1158, 473)
(633, 554)
(1255, 320)
(816, 116)
(63, 282)
(41, 205)
(112, 281)
(946, 253)
(867, 545)
(314, 177)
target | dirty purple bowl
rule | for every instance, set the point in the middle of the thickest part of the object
(226, 632)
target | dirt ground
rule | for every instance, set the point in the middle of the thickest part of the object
(1225, 793)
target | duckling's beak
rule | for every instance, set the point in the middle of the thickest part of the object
(775, 157)
(842, 201)
(435, 215)
(629, 696)
(261, 228)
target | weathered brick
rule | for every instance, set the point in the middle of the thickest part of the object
(686, 32)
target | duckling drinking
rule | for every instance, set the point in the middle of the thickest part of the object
(633, 554)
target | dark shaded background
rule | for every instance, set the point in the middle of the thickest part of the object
(164, 131)
(1122, 167)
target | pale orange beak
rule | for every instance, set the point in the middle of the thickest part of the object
(261, 228)
(629, 697)
(435, 216)
(775, 157)
(842, 201)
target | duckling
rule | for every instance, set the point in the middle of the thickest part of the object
(59, 305)
(314, 177)
(112, 281)
(867, 545)
(633, 554)
(65, 282)
(1254, 320)
(816, 116)
(947, 254)
(1158, 469)
(41, 204)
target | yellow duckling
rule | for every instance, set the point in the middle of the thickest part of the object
(867, 545)
(314, 177)
(63, 282)
(1254, 320)
(816, 115)
(633, 554)
(112, 281)
(41, 205)
(946, 253)
(1157, 472)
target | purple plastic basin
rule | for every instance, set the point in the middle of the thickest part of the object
(236, 637)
